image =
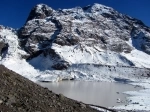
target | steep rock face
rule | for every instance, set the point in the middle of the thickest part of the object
(95, 27)
(95, 24)
(40, 12)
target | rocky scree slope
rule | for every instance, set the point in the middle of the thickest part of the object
(53, 40)
(18, 94)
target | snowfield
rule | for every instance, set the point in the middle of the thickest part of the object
(138, 100)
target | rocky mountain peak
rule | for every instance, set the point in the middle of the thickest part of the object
(93, 34)
(89, 29)
(40, 11)
(97, 8)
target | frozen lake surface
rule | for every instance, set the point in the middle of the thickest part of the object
(105, 94)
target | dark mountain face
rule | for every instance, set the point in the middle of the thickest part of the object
(92, 34)
(91, 25)
(40, 12)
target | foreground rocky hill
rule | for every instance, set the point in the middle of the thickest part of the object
(18, 94)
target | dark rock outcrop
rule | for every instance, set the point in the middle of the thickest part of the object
(40, 12)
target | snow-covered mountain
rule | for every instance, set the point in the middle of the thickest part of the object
(91, 43)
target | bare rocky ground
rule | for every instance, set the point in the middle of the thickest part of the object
(18, 94)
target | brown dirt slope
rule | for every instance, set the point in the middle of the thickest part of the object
(18, 94)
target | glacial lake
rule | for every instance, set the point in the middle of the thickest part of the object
(106, 94)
